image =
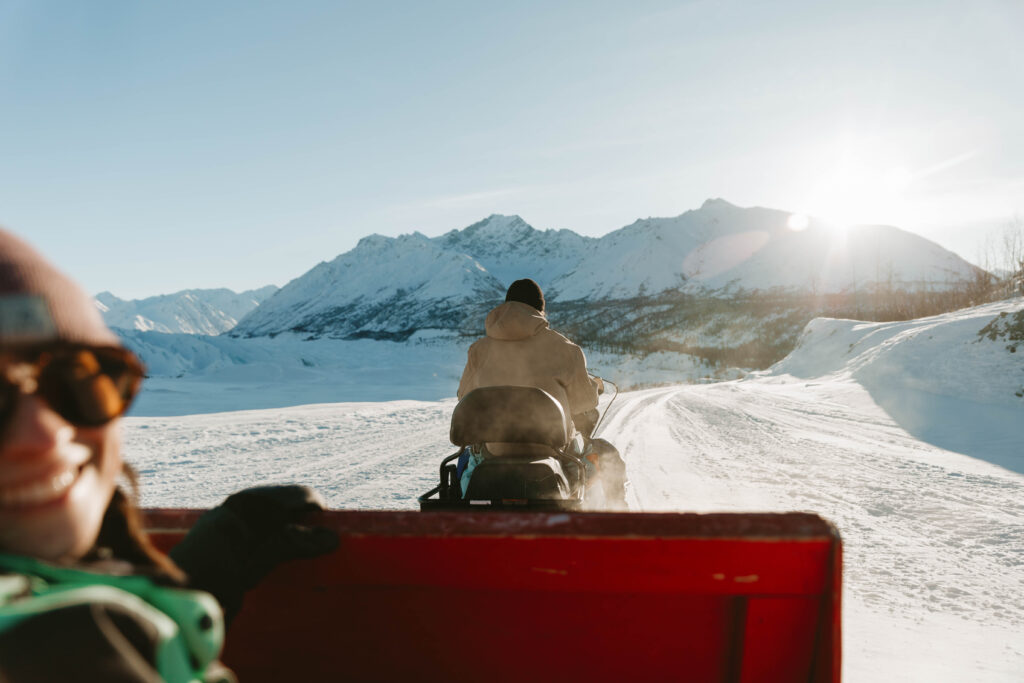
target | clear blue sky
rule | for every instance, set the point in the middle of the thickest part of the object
(149, 147)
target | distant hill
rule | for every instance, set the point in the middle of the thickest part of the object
(191, 311)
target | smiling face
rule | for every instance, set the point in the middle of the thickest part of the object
(56, 481)
(64, 381)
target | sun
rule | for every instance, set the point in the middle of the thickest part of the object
(859, 193)
(797, 222)
(897, 179)
(861, 178)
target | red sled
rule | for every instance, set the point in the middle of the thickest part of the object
(545, 596)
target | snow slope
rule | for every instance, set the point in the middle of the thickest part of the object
(855, 424)
(191, 311)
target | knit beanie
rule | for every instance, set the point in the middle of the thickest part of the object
(526, 291)
(39, 304)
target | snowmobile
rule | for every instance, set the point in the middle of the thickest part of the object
(539, 469)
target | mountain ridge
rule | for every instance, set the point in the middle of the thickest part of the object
(718, 250)
(383, 288)
(189, 311)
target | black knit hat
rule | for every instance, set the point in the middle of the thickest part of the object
(39, 304)
(528, 292)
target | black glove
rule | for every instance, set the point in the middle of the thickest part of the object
(234, 545)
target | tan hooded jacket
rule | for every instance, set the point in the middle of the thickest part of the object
(521, 349)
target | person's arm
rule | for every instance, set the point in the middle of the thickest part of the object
(586, 421)
(581, 388)
(468, 373)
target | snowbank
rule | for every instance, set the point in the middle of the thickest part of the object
(954, 380)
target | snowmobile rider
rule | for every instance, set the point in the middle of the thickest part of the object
(84, 594)
(521, 349)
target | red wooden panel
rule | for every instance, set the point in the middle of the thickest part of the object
(779, 639)
(792, 525)
(829, 654)
(405, 634)
(707, 566)
(523, 596)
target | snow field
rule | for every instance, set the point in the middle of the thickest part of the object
(358, 455)
(906, 435)
(933, 540)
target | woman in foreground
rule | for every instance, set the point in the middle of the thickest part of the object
(83, 593)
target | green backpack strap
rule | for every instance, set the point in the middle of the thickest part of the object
(190, 623)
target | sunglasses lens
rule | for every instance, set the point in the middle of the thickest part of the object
(8, 399)
(90, 387)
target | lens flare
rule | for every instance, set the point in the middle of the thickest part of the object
(797, 222)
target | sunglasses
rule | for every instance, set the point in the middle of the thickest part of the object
(88, 386)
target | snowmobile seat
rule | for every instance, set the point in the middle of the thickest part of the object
(534, 468)
(510, 414)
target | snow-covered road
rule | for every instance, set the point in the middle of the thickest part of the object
(934, 540)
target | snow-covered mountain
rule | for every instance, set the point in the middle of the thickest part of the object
(385, 288)
(725, 248)
(510, 249)
(191, 311)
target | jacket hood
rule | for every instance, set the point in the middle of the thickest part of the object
(514, 320)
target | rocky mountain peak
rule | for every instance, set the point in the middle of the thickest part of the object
(717, 203)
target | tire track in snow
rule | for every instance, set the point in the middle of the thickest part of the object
(629, 427)
(920, 526)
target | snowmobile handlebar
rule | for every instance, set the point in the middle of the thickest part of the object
(601, 382)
